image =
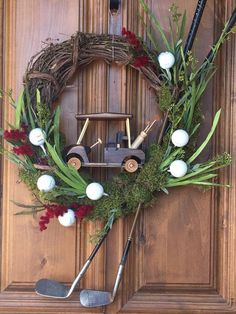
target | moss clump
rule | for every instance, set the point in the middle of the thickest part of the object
(165, 98)
(126, 191)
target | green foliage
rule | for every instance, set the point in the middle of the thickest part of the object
(126, 190)
(181, 89)
(19, 110)
(165, 98)
(210, 134)
(66, 173)
(43, 112)
(29, 178)
(152, 18)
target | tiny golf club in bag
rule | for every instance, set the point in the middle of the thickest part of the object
(94, 298)
(54, 289)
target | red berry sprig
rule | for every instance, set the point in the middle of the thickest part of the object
(140, 60)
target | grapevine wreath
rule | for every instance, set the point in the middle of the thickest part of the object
(38, 147)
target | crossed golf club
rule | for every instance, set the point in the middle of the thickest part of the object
(88, 298)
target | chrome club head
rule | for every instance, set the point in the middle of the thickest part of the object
(94, 298)
(54, 289)
(51, 289)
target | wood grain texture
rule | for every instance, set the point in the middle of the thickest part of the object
(183, 256)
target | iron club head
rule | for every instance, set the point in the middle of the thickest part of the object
(51, 289)
(94, 298)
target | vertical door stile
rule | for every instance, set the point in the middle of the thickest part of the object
(92, 97)
(116, 96)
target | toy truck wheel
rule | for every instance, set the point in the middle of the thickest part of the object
(131, 165)
(75, 162)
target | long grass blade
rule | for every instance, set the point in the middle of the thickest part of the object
(156, 23)
(19, 108)
(29, 212)
(209, 136)
(26, 206)
(56, 130)
(70, 173)
(80, 190)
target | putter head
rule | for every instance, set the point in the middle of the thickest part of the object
(94, 298)
(51, 289)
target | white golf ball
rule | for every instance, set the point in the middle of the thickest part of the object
(94, 191)
(178, 168)
(46, 183)
(180, 138)
(36, 137)
(68, 219)
(166, 60)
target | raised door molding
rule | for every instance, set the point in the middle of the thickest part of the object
(183, 256)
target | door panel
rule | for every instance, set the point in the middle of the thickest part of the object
(182, 259)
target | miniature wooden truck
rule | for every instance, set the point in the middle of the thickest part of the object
(130, 158)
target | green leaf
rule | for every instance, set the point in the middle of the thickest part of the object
(149, 34)
(209, 136)
(191, 174)
(192, 106)
(26, 206)
(203, 85)
(29, 112)
(19, 108)
(182, 26)
(56, 130)
(29, 212)
(70, 173)
(14, 158)
(195, 129)
(165, 191)
(213, 184)
(31, 119)
(156, 23)
(66, 190)
(171, 157)
(38, 97)
(191, 182)
(76, 186)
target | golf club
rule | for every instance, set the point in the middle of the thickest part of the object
(94, 298)
(54, 289)
(230, 25)
(188, 46)
(194, 26)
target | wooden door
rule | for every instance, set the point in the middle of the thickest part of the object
(183, 256)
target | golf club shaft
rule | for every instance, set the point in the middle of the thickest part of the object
(188, 46)
(230, 25)
(194, 26)
(125, 254)
(88, 262)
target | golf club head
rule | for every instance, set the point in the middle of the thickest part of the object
(94, 298)
(51, 289)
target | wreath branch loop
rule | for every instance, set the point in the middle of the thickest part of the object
(50, 70)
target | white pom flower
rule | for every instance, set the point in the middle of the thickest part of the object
(166, 60)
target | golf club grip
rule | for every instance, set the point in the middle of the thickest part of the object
(194, 26)
(232, 21)
(97, 246)
(125, 253)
